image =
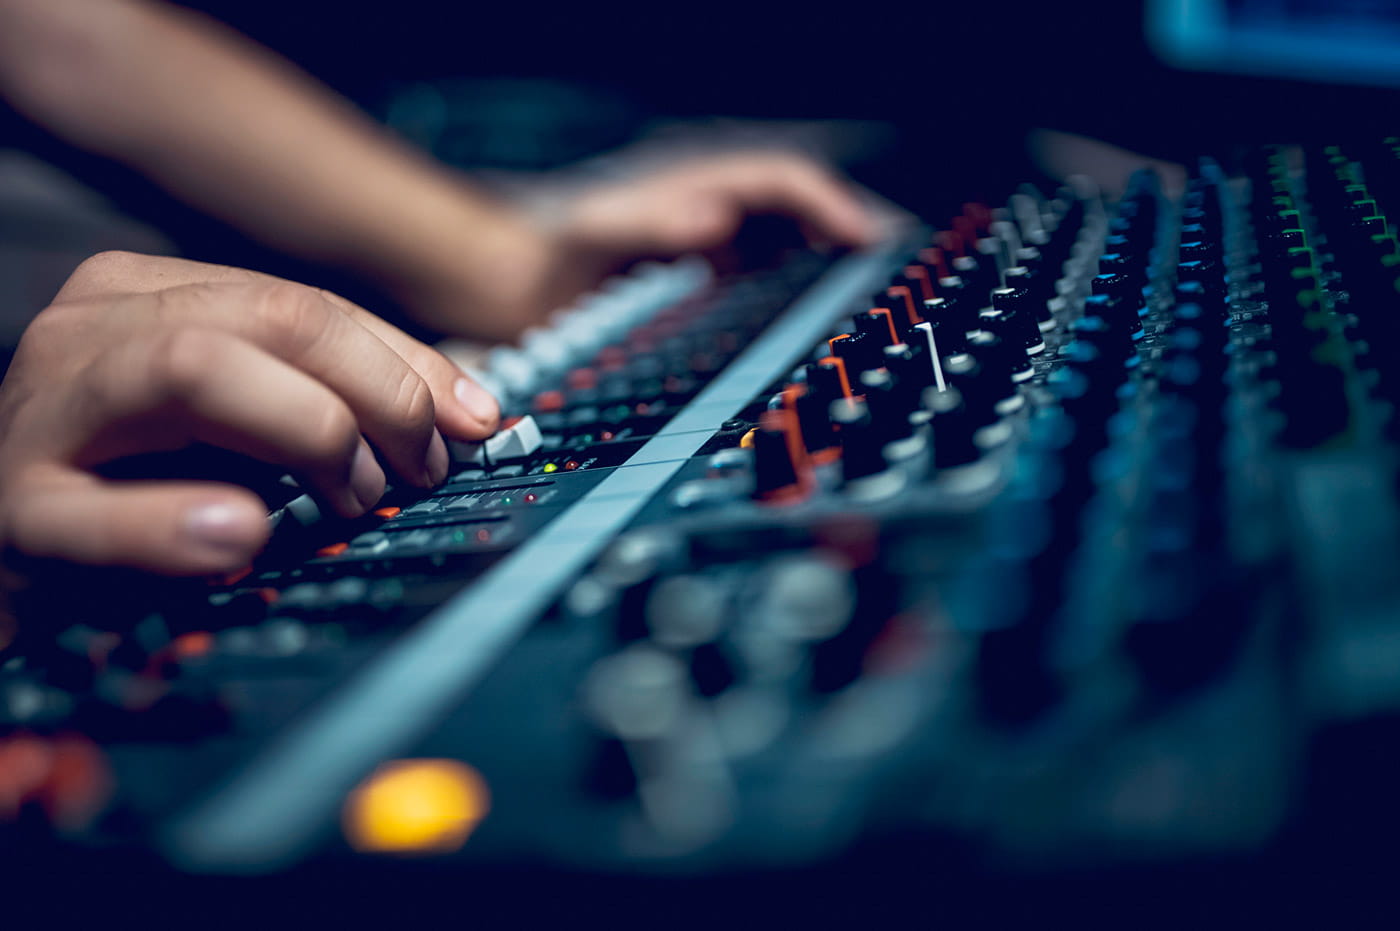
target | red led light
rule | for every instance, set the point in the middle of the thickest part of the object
(483, 535)
(531, 498)
(571, 465)
(606, 435)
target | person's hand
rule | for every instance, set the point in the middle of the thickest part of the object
(692, 206)
(142, 355)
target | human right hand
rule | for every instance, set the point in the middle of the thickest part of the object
(145, 355)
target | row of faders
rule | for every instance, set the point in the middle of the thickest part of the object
(1009, 556)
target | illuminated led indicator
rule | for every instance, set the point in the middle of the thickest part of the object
(415, 806)
(483, 535)
(195, 643)
(507, 501)
(606, 435)
(531, 498)
(550, 467)
(571, 465)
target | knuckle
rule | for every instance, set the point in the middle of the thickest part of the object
(180, 360)
(296, 316)
(334, 435)
(21, 523)
(413, 402)
(53, 322)
(104, 265)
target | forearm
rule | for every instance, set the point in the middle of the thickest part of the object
(242, 135)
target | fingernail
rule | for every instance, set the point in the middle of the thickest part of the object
(223, 526)
(437, 459)
(478, 403)
(366, 478)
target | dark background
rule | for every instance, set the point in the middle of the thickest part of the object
(927, 103)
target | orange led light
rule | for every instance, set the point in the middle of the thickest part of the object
(195, 643)
(416, 806)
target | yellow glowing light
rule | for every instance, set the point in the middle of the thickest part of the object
(416, 806)
(550, 467)
(746, 441)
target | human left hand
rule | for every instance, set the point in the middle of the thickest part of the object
(692, 206)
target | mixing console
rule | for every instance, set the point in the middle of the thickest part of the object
(1064, 532)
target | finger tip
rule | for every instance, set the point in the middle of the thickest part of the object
(226, 531)
(437, 462)
(481, 412)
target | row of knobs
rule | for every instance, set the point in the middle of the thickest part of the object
(1043, 523)
(939, 355)
(1350, 211)
(1311, 387)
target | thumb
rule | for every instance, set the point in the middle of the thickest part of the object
(174, 528)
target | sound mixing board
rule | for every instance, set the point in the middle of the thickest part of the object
(1065, 532)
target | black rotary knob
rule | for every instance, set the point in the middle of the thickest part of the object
(912, 368)
(1001, 349)
(1040, 289)
(1014, 307)
(953, 427)
(862, 447)
(780, 467)
(877, 327)
(1112, 340)
(858, 351)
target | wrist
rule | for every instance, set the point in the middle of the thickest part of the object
(476, 267)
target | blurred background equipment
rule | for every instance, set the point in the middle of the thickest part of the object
(1331, 40)
(1043, 554)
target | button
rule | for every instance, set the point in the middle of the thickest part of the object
(547, 402)
(371, 538)
(582, 379)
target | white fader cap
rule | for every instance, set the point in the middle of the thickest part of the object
(519, 436)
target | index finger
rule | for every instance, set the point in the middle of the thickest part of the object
(465, 411)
